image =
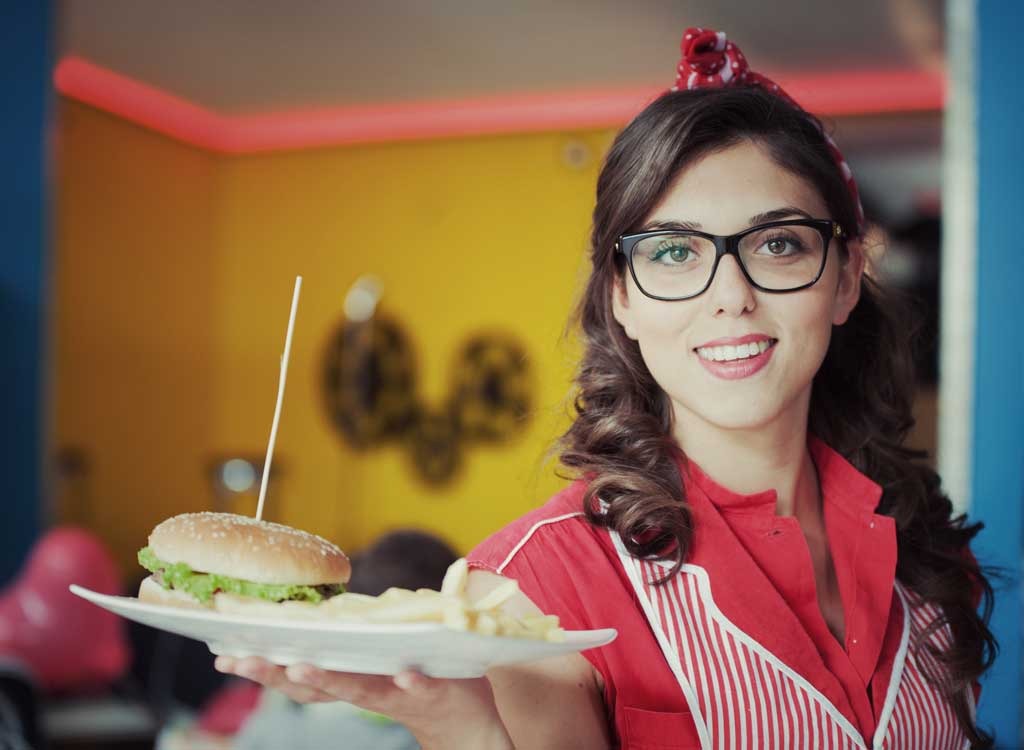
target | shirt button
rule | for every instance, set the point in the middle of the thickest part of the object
(853, 641)
(871, 525)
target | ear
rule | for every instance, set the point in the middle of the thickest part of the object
(850, 273)
(620, 306)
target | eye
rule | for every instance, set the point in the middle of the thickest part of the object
(671, 251)
(782, 245)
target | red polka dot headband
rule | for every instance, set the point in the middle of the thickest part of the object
(710, 61)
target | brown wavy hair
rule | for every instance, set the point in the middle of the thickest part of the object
(621, 438)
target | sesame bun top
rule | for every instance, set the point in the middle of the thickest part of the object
(242, 547)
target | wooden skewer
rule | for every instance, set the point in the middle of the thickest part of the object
(280, 395)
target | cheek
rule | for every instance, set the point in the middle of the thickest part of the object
(662, 334)
(809, 325)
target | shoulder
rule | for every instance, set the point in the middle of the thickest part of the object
(563, 564)
(564, 512)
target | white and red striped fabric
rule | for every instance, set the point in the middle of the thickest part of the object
(744, 698)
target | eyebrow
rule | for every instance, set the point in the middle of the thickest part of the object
(776, 214)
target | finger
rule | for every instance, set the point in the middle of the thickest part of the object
(234, 664)
(369, 691)
(256, 669)
(305, 694)
(411, 681)
(273, 676)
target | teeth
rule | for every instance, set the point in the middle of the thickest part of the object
(733, 353)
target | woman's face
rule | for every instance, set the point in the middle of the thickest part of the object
(721, 194)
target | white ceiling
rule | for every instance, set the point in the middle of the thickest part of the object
(257, 55)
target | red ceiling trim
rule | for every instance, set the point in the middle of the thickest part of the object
(826, 94)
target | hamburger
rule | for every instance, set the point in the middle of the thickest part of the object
(199, 559)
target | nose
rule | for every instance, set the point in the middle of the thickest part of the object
(730, 293)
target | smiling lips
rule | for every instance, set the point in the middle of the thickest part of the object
(735, 358)
(734, 349)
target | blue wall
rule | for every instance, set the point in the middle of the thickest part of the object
(998, 462)
(25, 86)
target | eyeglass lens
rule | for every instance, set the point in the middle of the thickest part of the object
(776, 258)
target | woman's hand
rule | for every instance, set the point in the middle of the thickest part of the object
(440, 713)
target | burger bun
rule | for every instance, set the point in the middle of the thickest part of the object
(241, 547)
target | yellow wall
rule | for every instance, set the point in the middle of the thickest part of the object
(135, 297)
(174, 273)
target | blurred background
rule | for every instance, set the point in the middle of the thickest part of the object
(429, 169)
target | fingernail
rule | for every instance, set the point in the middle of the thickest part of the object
(406, 680)
(304, 673)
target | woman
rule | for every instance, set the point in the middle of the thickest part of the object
(780, 571)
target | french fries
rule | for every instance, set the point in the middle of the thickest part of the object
(449, 606)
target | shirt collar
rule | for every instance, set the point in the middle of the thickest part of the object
(724, 498)
(841, 484)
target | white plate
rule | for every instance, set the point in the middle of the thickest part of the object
(434, 649)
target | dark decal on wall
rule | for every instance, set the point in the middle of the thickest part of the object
(370, 394)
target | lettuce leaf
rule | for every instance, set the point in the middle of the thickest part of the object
(181, 577)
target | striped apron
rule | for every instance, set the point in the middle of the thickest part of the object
(742, 697)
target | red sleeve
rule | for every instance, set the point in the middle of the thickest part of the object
(539, 578)
(571, 569)
(553, 560)
(540, 552)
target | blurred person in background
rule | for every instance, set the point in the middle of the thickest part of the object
(782, 570)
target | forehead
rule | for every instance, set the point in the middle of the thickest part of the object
(722, 190)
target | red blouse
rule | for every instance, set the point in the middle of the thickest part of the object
(754, 572)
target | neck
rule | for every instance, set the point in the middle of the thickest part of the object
(749, 461)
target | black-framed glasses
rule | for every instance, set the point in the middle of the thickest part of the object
(780, 256)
